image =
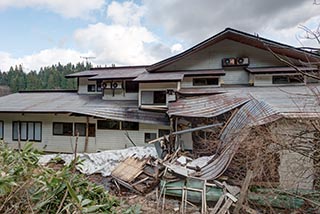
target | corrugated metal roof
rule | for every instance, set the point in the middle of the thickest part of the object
(170, 76)
(176, 75)
(59, 102)
(124, 72)
(278, 70)
(206, 106)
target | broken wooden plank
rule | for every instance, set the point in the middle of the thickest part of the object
(243, 191)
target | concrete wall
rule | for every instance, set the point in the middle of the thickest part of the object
(104, 140)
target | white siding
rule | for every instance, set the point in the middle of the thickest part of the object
(119, 94)
(83, 86)
(105, 139)
(210, 58)
(159, 87)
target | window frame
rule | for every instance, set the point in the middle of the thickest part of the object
(205, 81)
(27, 138)
(2, 129)
(136, 126)
(63, 123)
(91, 125)
(150, 138)
(108, 120)
(91, 88)
(300, 79)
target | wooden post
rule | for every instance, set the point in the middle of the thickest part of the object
(87, 136)
(243, 191)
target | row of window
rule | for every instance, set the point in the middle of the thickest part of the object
(33, 130)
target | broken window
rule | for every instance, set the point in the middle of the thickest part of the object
(126, 125)
(149, 136)
(81, 128)
(287, 79)
(205, 81)
(65, 129)
(108, 124)
(27, 131)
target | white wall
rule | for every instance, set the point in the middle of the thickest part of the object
(161, 86)
(83, 86)
(105, 139)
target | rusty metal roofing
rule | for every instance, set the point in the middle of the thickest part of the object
(177, 75)
(92, 105)
(265, 70)
(206, 106)
(252, 113)
(124, 72)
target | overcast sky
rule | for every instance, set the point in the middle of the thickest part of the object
(38, 33)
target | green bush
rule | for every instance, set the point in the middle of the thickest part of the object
(28, 187)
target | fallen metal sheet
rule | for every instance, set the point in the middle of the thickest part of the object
(252, 113)
(206, 106)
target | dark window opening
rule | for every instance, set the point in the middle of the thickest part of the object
(65, 129)
(163, 132)
(132, 87)
(91, 88)
(159, 97)
(99, 85)
(81, 129)
(1, 130)
(126, 125)
(27, 131)
(287, 79)
(108, 124)
(149, 136)
(205, 81)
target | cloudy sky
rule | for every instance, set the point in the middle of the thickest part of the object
(38, 33)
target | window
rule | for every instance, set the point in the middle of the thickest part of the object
(205, 81)
(287, 79)
(149, 136)
(1, 130)
(153, 97)
(27, 131)
(130, 125)
(159, 97)
(108, 124)
(99, 85)
(65, 129)
(91, 88)
(132, 87)
(81, 128)
(163, 132)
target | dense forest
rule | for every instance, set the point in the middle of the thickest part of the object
(51, 77)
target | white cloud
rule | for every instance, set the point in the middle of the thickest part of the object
(125, 14)
(123, 42)
(44, 58)
(117, 44)
(176, 48)
(67, 8)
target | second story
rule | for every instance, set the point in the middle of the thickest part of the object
(229, 59)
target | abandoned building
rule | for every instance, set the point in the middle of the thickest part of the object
(230, 81)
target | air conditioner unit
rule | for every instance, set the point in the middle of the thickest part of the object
(105, 85)
(242, 61)
(228, 62)
(116, 85)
